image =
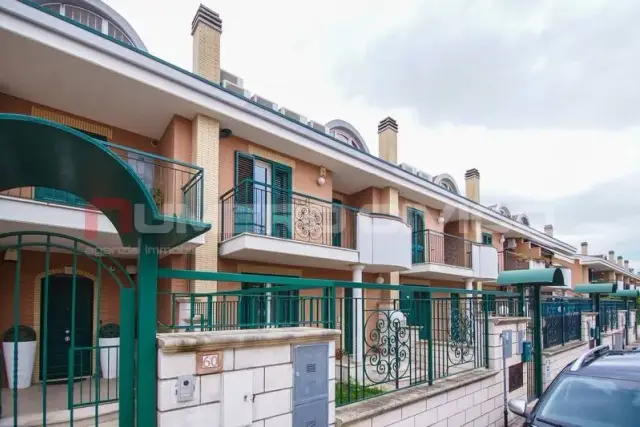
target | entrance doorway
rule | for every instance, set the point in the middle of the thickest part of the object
(58, 321)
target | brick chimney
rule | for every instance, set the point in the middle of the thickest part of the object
(612, 256)
(548, 230)
(206, 29)
(388, 140)
(584, 248)
(472, 184)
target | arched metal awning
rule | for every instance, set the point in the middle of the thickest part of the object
(40, 153)
(533, 277)
(596, 288)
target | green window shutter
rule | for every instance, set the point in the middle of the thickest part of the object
(243, 217)
(282, 200)
(336, 223)
(487, 239)
(416, 222)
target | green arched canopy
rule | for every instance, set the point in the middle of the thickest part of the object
(535, 276)
(41, 153)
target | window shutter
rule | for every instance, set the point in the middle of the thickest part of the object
(243, 206)
(282, 200)
(416, 222)
(336, 223)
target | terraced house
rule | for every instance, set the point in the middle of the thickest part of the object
(137, 197)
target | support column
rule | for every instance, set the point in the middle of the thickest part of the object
(358, 315)
(206, 30)
(468, 286)
(146, 393)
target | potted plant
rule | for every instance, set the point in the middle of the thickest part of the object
(109, 343)
(158, 197)
(26, 343)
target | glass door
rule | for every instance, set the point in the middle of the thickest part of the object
(261, 198)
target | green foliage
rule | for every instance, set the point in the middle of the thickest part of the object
(110, 330)
(347, 392)
(25, 334)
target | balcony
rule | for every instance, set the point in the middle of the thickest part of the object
(260, 222)
(176, 188)
(263, 223)
(513, 261)
(437, 255)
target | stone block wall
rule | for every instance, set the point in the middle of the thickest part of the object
(239, 377)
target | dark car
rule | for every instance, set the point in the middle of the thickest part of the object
(600, 389)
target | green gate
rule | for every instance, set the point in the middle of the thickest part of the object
(59, 294)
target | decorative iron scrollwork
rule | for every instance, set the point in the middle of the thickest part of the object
(461, 347)
(387, 347)
(308, 221)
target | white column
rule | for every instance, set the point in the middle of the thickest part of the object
(468, 286)
(358, 327)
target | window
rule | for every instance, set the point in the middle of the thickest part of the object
(487, 239)
(415, 218)
(588, 401)
(143, 167)
(89, 19)
(262, 197)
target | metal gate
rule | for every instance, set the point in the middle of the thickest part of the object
(68, 331)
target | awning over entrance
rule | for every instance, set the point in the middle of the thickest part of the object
(534, 277)
(41, 153)
(596, 288)
(627, 293)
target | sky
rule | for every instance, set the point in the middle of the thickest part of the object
(540, 96)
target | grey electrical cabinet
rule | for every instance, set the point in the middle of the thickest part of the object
(311, 385)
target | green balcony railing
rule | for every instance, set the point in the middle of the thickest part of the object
(386, 343)
(176, 187)
(257, 208)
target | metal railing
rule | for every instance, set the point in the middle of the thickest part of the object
(256, 208)
(561, 321)
(429, 246)
(509, 260)
(176, 187)
(386, 343)
(609, 317)
(90, 385)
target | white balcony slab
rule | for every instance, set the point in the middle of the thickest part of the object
(261, 248)
(432, 270)
(17, 214)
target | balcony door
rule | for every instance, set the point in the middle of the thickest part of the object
(263, 197)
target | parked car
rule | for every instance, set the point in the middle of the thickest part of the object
(600, 389)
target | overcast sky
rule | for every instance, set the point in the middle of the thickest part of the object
(540, 96)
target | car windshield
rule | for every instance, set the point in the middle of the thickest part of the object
(591, 402)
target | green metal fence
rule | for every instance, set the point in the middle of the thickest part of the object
(561, 320)
(393, 337)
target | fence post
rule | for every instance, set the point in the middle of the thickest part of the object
(210, 312)
(485, 313)
(562, 320)
(429, 327)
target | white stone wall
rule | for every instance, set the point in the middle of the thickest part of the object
(553, 363)
(269, 366)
